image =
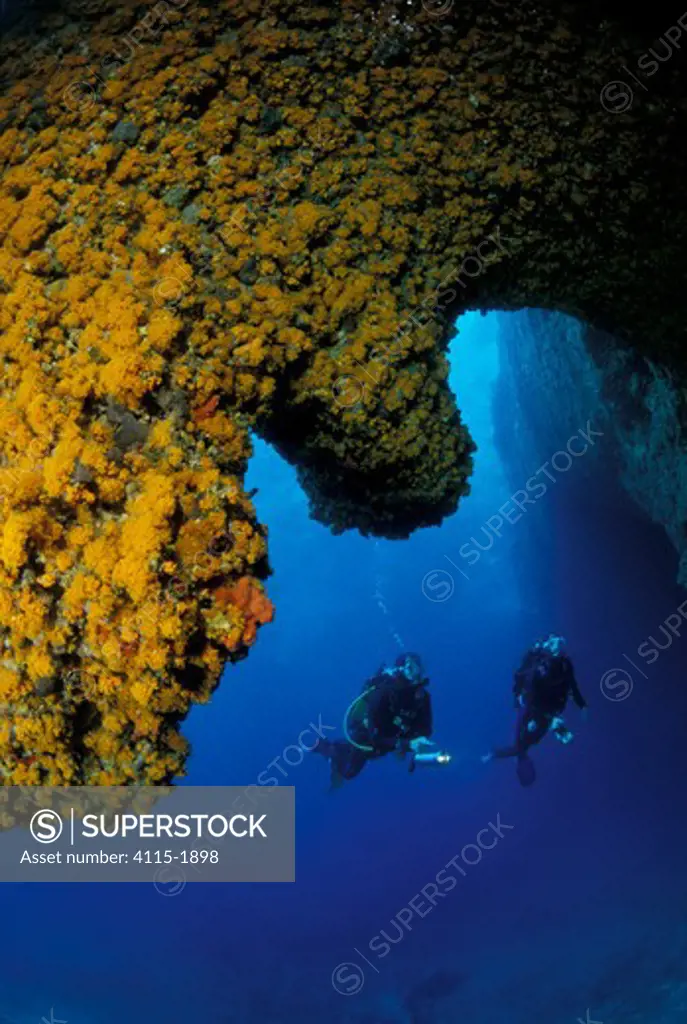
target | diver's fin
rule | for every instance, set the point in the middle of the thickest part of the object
(526, 770)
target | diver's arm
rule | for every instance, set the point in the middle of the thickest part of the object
(522, 677)
(519, 689)
(424, 724)
(574, 688)
(422, 745)
(381, 713)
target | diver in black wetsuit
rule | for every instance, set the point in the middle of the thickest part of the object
(392, 713)
(543, 685)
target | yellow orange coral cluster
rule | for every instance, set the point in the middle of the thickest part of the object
(245, 607)
(225, 217)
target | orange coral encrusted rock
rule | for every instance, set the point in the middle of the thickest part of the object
(249, 608)
(235, 216)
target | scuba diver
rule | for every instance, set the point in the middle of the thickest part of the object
(543, 684)
(392, 714)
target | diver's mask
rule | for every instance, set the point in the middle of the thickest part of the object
(553, 644)
(411, 667)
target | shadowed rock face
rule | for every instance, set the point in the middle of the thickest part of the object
(634, 406)
(268, 216)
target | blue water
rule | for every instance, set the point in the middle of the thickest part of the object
(578, 904)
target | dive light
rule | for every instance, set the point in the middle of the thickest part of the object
(428, 757)
(436, 757)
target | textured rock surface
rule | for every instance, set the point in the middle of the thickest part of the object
(648, 418)
(221, 217)
(560, 375)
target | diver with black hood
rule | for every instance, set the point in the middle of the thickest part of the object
(392, 714)
(543, 685)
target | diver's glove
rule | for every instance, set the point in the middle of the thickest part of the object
(561, 731)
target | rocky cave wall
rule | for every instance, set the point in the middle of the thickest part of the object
(267, 216)
(560, 376)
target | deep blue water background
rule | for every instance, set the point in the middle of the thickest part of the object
(580, 903)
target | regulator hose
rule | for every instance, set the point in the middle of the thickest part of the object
(360, 746)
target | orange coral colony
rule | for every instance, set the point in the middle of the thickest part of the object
(218, 218)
